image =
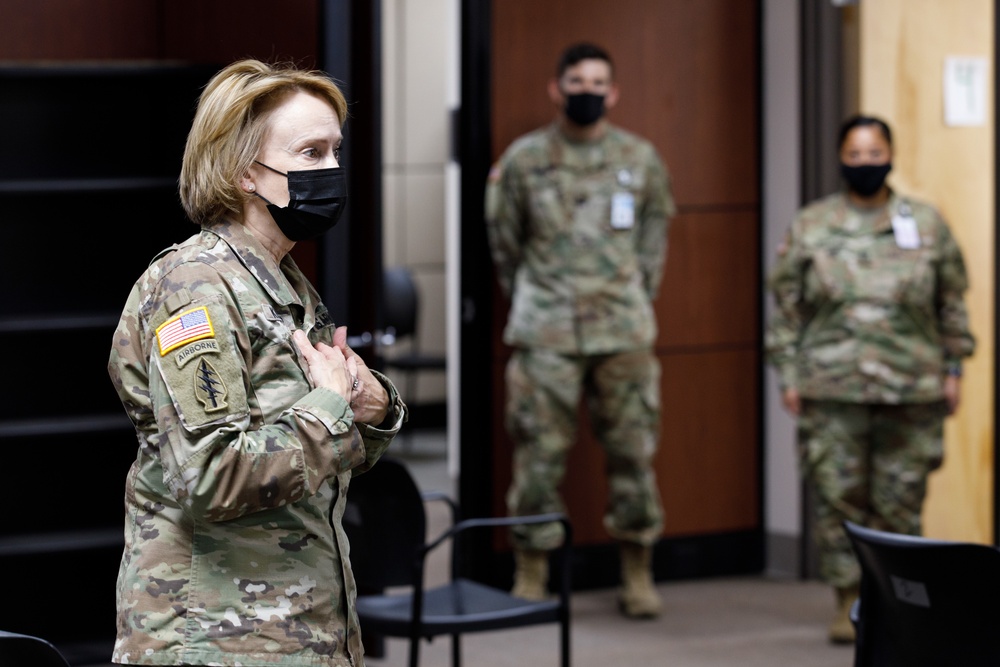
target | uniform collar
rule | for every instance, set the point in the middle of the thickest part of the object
(883, 214)
(258, 261)
(580, 154)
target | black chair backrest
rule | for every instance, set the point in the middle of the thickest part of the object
(17, 650)
(386, 525)
(399, 301)
(926, 602)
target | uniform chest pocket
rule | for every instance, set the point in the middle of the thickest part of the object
(267, 327)
(550, 205)
(895, 276)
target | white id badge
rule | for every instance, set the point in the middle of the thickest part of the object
(905, 230)
(622, 210)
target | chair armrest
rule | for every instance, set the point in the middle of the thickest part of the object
(491, 522)
(431, 496)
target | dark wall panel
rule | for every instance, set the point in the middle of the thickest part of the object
(78, 30)
(709, 451)
(220, 32)
(189, 30)
(687, 72)
(712, 264)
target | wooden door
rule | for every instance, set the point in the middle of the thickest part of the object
(902, 49)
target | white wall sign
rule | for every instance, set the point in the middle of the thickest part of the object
(965, 91)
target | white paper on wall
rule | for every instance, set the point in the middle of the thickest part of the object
(965, 91)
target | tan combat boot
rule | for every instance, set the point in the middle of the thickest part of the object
(841, 629)
(638, 597)
(531, 574)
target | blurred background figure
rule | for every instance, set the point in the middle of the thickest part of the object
(577, 215)
(868, 339)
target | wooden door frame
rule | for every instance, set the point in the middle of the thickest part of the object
(996, 274)
(475, 487)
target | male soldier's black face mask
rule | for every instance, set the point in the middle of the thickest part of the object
(584, 108)
(865, 179)
(317, 198)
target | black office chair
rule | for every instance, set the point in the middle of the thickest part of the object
(925, 602)
(400, 310)
(385, 521)
(17, 650)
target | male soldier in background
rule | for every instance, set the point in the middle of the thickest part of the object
(577, 215)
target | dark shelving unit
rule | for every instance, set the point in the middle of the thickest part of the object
(88, 194)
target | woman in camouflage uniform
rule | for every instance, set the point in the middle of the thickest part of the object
(868, 339)
(251, 411)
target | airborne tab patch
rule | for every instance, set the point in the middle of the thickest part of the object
(182, 329)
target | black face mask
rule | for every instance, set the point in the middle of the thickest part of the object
(865, 179)
(584, 108)
(317, 198)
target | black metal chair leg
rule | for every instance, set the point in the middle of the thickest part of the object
(414, 651)
(456, 651)
(564, 642)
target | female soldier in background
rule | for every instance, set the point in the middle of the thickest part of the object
(868, 339)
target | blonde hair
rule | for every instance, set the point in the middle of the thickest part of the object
(229, 127)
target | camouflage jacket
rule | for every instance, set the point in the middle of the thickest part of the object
(578, 233)
(234, 550)
(858, 317)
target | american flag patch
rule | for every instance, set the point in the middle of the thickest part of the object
(190, 325)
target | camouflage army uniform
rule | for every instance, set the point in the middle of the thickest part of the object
(578, 233)
(866, 330)
(234, 551)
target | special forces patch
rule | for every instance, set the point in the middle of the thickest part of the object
(209, 387)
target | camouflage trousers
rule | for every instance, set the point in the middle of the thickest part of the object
(622, 393)
(866, 463)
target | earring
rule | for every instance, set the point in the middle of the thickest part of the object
(250, 188)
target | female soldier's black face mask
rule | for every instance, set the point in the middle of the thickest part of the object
(317, 198)
(584, 108)
(865, 179)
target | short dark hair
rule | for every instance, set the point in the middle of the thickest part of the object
(864, 121)
(581, 51)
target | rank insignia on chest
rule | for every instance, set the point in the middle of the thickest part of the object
(209, 387)
(191, 325)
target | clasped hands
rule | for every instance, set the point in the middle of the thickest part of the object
(341, 370)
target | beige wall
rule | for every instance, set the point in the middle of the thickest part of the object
(781, 199)
(416, 64)
(902, 47)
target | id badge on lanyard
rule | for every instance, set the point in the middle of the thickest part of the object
(622, 210)
(623, 202)
(904, 228)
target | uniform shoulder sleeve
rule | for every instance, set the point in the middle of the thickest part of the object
(192, 342)
(506, 206)
(785, 282)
